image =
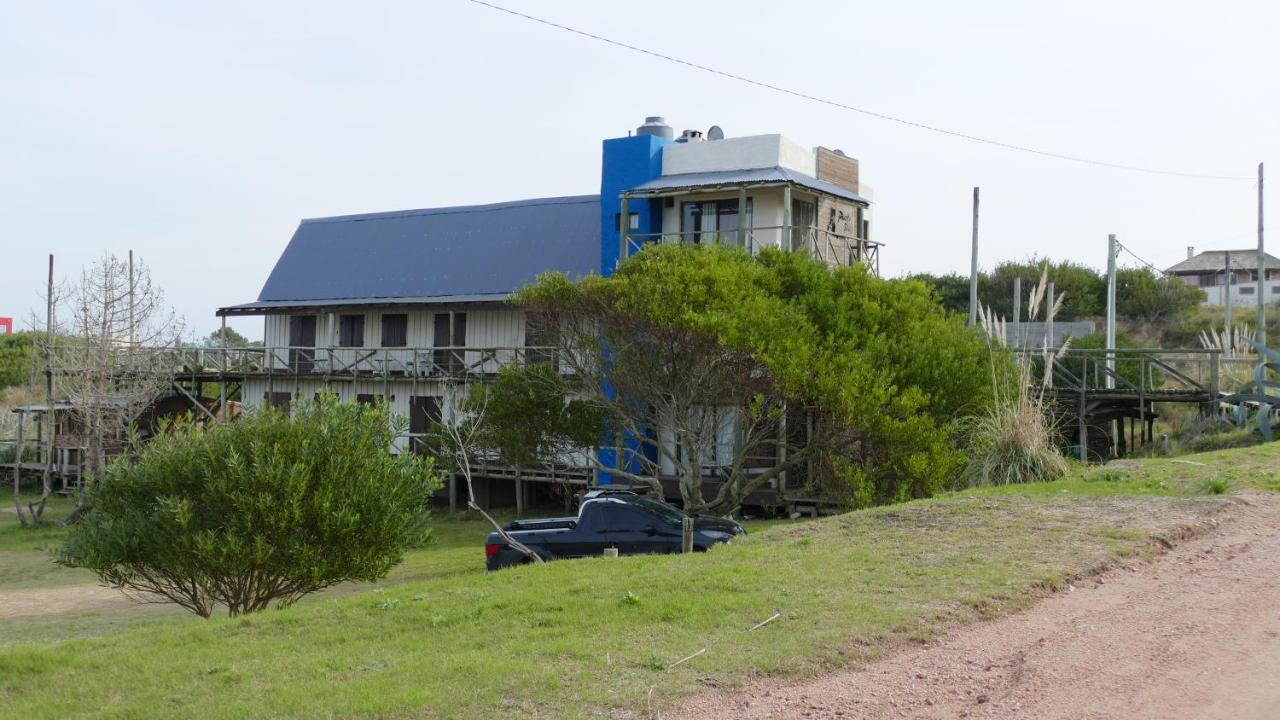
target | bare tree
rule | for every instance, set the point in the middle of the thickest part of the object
(113, 360)
(461, 436)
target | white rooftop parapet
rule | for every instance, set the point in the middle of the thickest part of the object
(740, 153)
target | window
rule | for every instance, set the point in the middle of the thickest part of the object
(278, 400)
(634, 223)
(539, 344)
(351, 331)
(395, 330)
(449, 331)
(712, 221)
(1245, 290)
(366, 399)
(302, 341)
(424, 411)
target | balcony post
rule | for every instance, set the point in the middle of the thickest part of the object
(624, 224)
(222, 376)
(742, 218)
(784, 242)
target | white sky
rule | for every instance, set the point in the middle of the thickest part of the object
(198, 136)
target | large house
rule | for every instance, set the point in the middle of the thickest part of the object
(1208, 271)
(403, 305)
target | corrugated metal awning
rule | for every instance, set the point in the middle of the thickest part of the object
(278, 307)
(776, 175)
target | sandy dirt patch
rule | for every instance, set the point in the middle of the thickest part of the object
(1195, 634)
(52, 601)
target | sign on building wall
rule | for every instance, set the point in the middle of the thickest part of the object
(6, 326)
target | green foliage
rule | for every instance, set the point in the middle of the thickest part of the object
(265, 509)
(1184, 330)
(528, 420)
(1215, 486)
(881, 364)
(1085, 288)
(18, 358)
(950, 290)
(1127, 367)
(234, 340)
(1143, 295)
(1012, 443)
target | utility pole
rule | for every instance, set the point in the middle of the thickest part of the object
(1111, 309)
(973, 266)
(1262, 270)
(1016, 340)
(1050, 347)
(46, 481)
(1230, 337)
(1111, 324)
(132, 330)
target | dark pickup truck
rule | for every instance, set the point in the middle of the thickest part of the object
(632, 523)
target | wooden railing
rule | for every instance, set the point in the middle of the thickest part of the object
(441, 362)
(829, 247)
(1188, 375)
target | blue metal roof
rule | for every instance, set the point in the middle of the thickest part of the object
(753, 176)
(456, 254)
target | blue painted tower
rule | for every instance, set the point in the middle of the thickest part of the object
(626, 163)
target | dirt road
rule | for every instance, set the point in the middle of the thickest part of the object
(1196, 634)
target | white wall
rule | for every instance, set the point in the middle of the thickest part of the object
(740, 153)
(1271, 292)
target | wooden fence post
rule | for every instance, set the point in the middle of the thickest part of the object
(686, 540)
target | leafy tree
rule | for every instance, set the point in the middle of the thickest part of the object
(684, 336)
(1085, 288)
(18, 358)
(234, 340)
(951, 290)
(1143, 295)
(530, 418)
(262, 510)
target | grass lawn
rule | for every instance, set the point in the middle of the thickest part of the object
(597, 638)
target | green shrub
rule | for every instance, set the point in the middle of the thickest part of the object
(262, 510)
(1215, 486)
(17, 358)
(1233, 438)
(1013, 440)
(1013, 443)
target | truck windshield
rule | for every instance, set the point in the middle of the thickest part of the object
(667, 512)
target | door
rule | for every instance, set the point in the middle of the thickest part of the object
(449, 331)
(424, 410)
(302, 343)
(803, 216)
(634, 531)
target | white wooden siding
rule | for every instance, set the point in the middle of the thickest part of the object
(486, 328)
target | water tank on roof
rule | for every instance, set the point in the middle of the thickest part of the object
(656, 125)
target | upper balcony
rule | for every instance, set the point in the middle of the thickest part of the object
(828, 247)
(753, 209)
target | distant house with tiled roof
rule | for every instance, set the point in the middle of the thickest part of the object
(1208, 271)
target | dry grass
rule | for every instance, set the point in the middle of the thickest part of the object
(1013, 441)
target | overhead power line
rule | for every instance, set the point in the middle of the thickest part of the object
(1157, 270)
(843, 106)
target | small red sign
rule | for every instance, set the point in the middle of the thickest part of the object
(6, 326)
